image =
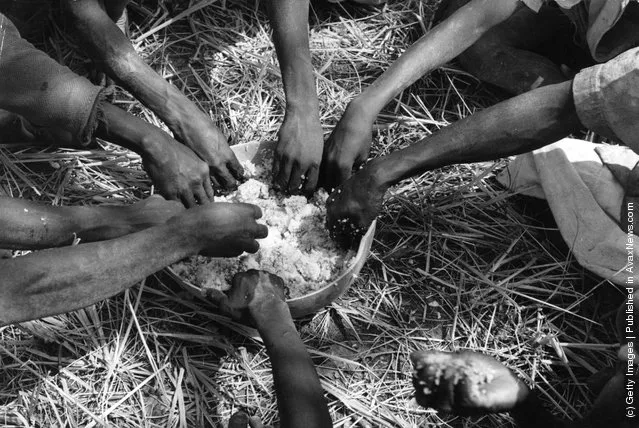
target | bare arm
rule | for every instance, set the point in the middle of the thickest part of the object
(113, 51)
(515, 126)
(299, 150)
(289, 19)
(518, 125)
(50, 282)
(29, 225)
(110, 48)
(349, 143)
(300, 399)
(51, 96)
(177, 172)
(440, 45)
(53, 281)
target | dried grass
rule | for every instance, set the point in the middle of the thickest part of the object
(456, 265)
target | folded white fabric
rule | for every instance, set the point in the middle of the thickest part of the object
(587, 201)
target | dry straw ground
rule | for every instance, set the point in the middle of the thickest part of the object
(456, 264)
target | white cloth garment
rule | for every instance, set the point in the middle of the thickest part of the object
(586, 199)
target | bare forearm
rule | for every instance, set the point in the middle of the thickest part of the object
(515, 126)
(119, 127)
(439, 46)
(30, 225)
(50, 282)
(299, 393)
(110, 48)
(289, 19)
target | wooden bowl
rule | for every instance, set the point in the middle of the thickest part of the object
(318, 299)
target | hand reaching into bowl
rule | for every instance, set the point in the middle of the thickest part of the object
(222, 229)
(353, 206)
(299, 393)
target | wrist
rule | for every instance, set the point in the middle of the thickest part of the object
(122, 128)
(363, 108)
(379, 175)
(275, 324)
(269, 309)
(101, 223)
(185, 233)
(300, 90)
(303, 106)
(149, 142)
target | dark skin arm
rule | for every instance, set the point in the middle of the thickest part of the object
(175, 170)
(50, 282)
(64, 107)
(299, 150)
(54, 281)
(515, 126)
(300, 399)
(350, 141)
(30, 225)
(106, 44)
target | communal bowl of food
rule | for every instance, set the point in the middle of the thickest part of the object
(315, 270)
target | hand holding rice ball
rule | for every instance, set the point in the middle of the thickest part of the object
(465, 383)
(354, 205)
